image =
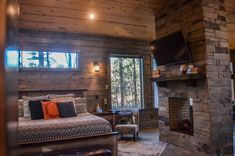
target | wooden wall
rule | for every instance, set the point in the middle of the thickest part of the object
(230, 7)
(119, 18)
(92, 48)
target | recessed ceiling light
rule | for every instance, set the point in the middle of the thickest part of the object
(91, 16)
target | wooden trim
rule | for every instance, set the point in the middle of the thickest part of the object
(56, 90)
(105, 140)
(109, 82)
(3, 144)
(49, 69)
(77, 92)
(142, 83)
(199, 76)
(126, 55)
(141, 57)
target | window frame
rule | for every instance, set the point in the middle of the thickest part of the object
(154, 85)
(142, 106)
(45, 67)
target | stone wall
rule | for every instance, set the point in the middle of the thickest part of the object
(218, 75)
(203, 25)
(148, 118)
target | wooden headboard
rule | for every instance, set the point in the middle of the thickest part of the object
(78, 93)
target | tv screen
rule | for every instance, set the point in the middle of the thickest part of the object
(171, 50)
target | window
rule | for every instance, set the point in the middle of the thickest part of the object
(11, 58)
(126, 83)
(155, 87)
(50, 60)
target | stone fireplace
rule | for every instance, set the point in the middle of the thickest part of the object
(181, 115)
(206, 128)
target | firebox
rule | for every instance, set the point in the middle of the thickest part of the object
(181, 115)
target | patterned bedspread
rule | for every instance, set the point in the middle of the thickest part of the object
(83, 125)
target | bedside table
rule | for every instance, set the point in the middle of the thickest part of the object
(110, 116)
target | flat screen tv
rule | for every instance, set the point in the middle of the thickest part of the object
(171, 50)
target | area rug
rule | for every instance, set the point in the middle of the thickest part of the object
(142, 147)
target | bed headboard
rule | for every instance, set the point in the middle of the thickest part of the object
(78, 93)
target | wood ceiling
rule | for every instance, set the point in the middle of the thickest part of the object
(230, 7)
(119, 18)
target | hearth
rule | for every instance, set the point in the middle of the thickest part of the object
(181, 115)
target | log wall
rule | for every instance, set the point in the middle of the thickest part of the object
(92, 49)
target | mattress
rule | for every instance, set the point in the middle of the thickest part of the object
(83, 125)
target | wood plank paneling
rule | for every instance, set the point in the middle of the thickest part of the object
(230, 7)
(92, 48)
(119, 18)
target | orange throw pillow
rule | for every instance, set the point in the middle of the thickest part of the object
(50, 110)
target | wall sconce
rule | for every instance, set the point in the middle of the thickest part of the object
(96, 66)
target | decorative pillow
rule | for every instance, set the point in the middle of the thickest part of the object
(26, 100)
(20, 108)
(35, 108)
(26, 112)
(65, 99)
(52, 96)
(80, 105)
(50, 110)
(66, 109)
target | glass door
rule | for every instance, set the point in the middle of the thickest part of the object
(126, 78)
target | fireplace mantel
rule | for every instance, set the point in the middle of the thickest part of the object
(190, 79)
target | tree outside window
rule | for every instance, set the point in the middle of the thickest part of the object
(126, 83)
(51, 60)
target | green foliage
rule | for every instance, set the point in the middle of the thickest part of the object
(126, 83)
(37, 59)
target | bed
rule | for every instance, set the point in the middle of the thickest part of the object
(84, 130)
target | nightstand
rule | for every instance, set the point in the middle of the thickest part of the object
(110, 116)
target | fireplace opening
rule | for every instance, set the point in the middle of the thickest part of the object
(181, 115)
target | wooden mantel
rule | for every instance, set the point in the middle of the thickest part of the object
(179, 77)
(189, 79)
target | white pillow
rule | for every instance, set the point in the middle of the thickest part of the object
(81, 105)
